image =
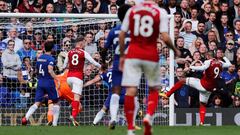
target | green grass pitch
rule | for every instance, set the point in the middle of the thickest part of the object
(101, 130)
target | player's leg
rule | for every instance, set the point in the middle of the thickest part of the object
(137, 106)
(50, 113)
(176, 87)
(53, 96)
(77, 86)
(152, 73)
(38, 99)
(203, 97)
(131, 79)
(114, 100)
(100, 115)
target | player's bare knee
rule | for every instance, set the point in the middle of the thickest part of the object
(131, 91)
(116, 89)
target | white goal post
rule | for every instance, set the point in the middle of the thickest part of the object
(6, 111)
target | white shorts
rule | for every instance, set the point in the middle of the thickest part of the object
(133, 69)
(195, 83)
(76, 85)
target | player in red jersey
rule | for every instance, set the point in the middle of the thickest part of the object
(212, 69)
(75, 60)
(145, 21)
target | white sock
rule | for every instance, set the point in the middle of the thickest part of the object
(137, 106)
(114, 105)
(99, 116)
(31, 110)
(56, 111)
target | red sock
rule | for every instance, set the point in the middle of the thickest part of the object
(129, 110)
(75, 108)
(176, 87)
(152, 101)
(202, 111)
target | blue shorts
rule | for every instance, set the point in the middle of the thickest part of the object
(116, 78)
(107, 101)
(46, 87)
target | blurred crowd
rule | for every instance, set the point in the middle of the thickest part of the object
(200, 25)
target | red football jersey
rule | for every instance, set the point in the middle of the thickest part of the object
(211, 74)
(76, 60)
(145, 21)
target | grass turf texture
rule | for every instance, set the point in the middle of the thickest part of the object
(101, 130)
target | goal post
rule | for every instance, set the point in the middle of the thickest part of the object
(15, 103)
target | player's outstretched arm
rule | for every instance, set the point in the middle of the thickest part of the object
(227, 62)
(91, 60)
(203, 67)
(97, 78)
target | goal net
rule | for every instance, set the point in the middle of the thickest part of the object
(16, 98)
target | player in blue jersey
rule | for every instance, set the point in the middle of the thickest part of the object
(46, 85)
(106, 76)
(112, 43)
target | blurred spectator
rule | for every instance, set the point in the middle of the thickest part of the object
(229, 77)
(63, 54)
(163, 55)
(164, 78)
(182, 98)
(113, 9)
(203, 50)
(223, 27)
(236, 102)
(224, 9)
(27, 51)
(172, 6)
(215, 5)
(69, 8)
(237, 30)
(220, 54)
(3, 6)
(89, 7)
(38, 40)
(193, 20)
(212, 46)
(12, 35)
(204, 15)
(38, 6)
(212, 36)
(228, 36)
(90, 47)
(88, 73)
(195, 45)
(230, 51)
(112, 2)
(77, 6)
(14, 22)
(25, 7)
(234, 8)
(211, 22)
(102, 27)
(75, 31)
(57, 48)
(177, 19)
(187, 35)
(28, 31)
(3, 46)
(185, 53)
(11, 67)
(27, 70)
(200, 31)
(49, 8)
(183, 10)
(217, 102)
(60, 6)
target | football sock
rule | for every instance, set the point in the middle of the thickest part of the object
(136, 109)
(202, 111)
(176, 87)
(31, 110)
(152, 101)
(114, 105)
(56, 111)
(129, 110)
(50, 113)
(99, 116)
(75, 108)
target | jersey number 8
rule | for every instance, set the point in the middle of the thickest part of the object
(74, 59)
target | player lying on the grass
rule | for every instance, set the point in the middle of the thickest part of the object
(75, 61)
(107, 77)
(212, 68)
(65, 93)
(46, 76)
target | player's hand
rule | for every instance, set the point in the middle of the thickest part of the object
(121, 63)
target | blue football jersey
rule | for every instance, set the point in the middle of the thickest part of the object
(113, 43)
(42, 66)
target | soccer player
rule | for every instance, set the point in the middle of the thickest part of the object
(212, 68)
(107, 77)
(145, 21)
(64, 92)
(46, 76)
(75, 61)
(112, 42)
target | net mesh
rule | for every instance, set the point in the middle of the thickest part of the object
(16, 98)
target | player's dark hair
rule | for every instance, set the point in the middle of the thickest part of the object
(48, 46)
(79, 39)
(122, 10)
(211, 53)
